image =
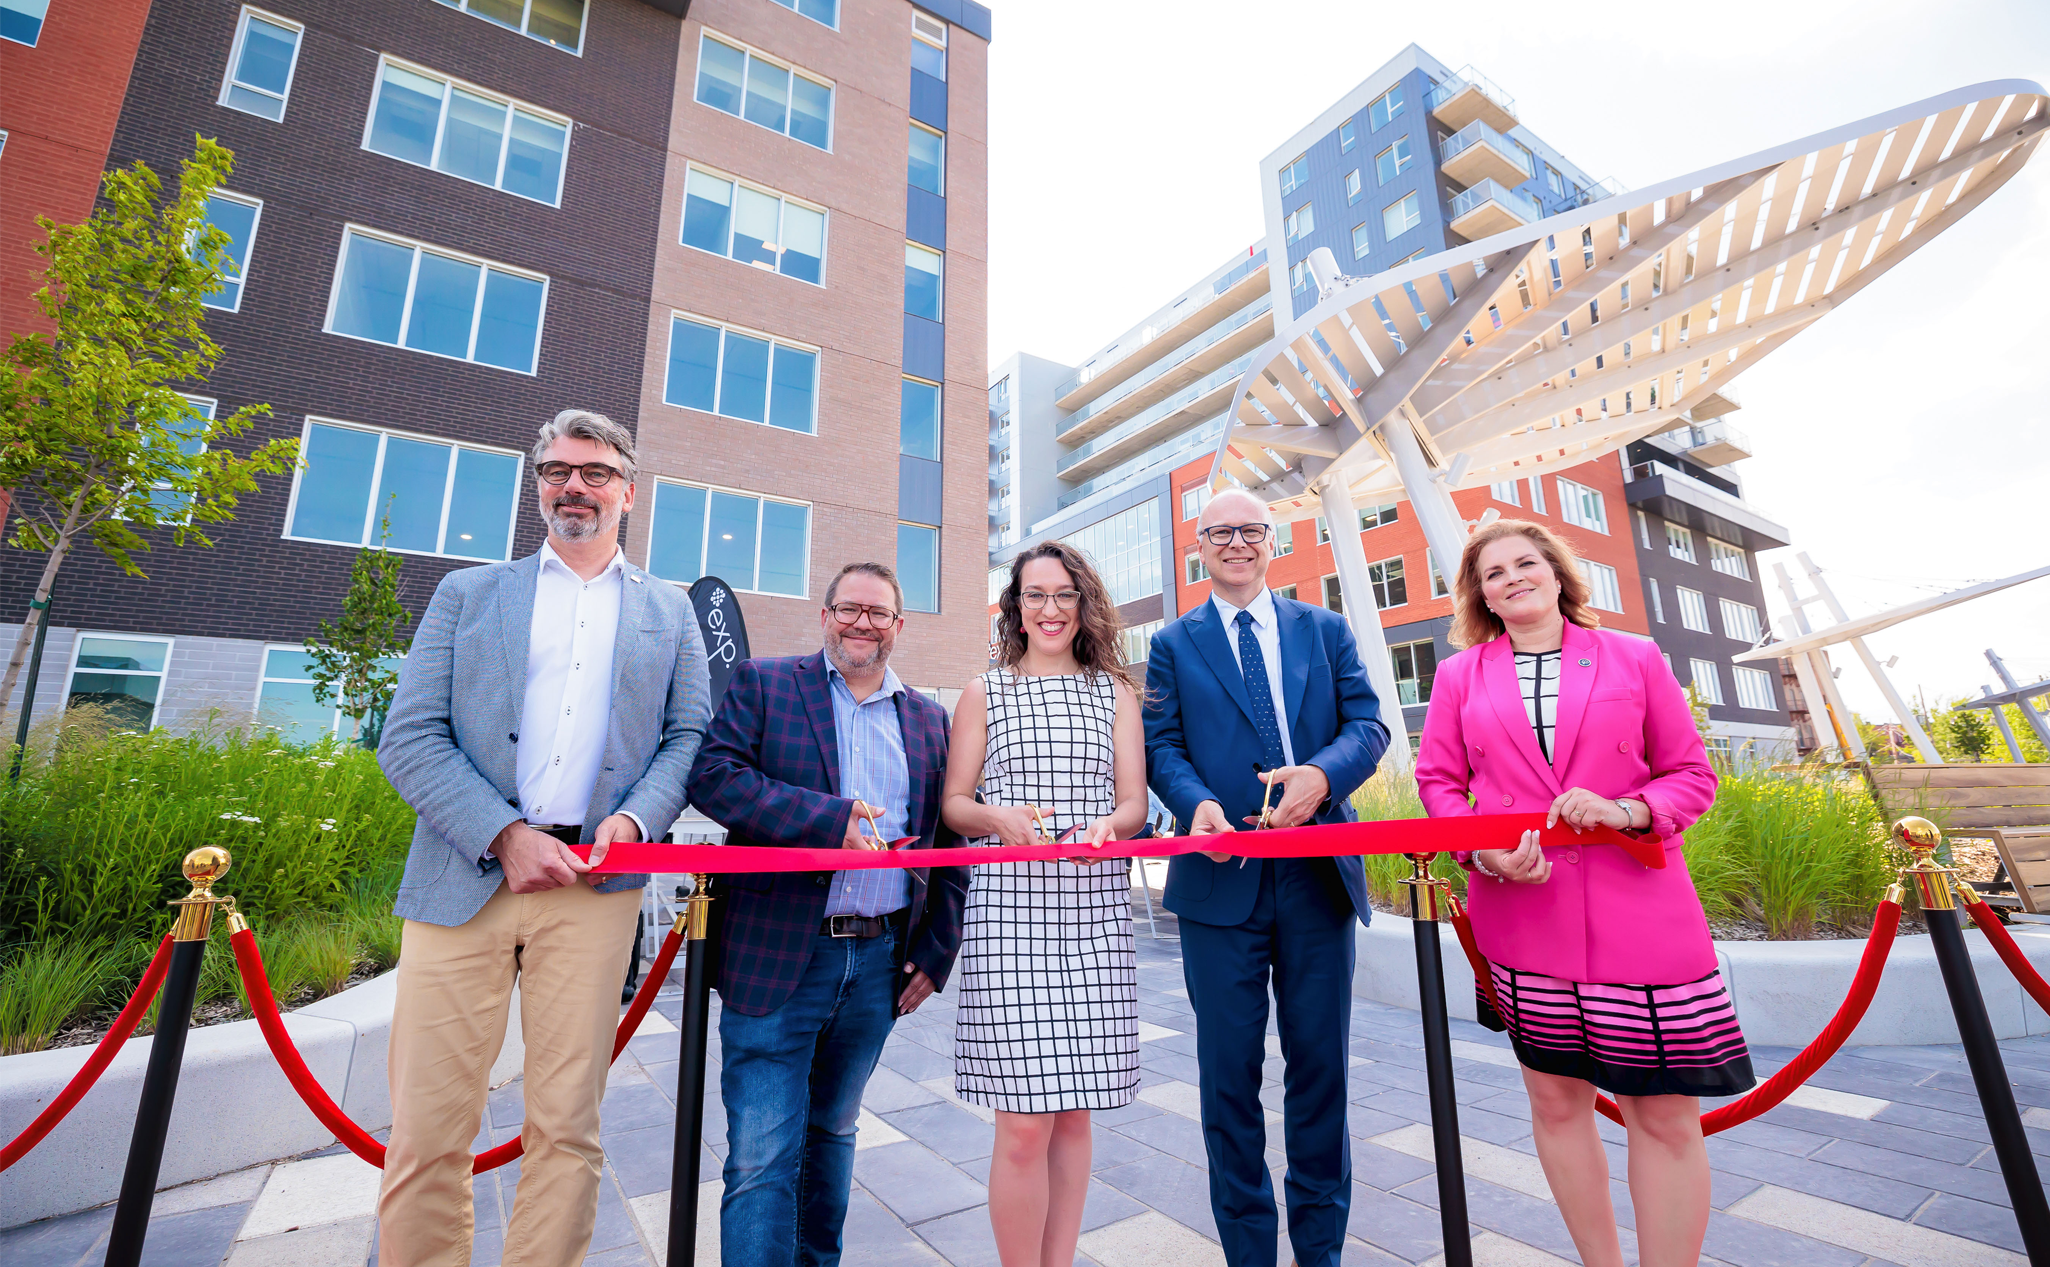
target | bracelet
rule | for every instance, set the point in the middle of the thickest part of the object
(1483, 867)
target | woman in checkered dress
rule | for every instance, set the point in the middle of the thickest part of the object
(1047, 1027)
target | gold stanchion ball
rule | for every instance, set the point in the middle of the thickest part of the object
(205, 865)
(1918, 833)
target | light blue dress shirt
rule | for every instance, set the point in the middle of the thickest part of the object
(1266, 632)
(873, 770)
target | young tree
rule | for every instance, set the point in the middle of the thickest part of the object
(96, 440)
(352, 657)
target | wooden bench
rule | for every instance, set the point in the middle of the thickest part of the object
(2004, 802)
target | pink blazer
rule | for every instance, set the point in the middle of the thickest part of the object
(1623, 728)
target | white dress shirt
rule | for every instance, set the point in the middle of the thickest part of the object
(1267, 633)
(568, 709)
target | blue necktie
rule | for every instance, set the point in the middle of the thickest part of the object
(1260, 694)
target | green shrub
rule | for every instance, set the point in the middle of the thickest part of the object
(1389, 795)
(42, 987)
(1792, 850)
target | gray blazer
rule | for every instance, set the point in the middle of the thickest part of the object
(449, 740)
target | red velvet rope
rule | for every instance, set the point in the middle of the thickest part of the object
(1769, 1094)
(330, 1115)
(96, 1064)
(2010, 954)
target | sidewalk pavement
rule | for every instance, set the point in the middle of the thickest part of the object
(1882, 1159)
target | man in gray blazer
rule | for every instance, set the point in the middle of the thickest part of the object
(554, 700)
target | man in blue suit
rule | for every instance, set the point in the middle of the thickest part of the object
(1245, 690)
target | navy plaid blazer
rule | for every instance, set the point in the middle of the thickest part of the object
(769, 773)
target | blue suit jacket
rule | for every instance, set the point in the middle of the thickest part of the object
(1201, 745)
(769, 772)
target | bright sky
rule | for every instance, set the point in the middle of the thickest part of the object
(1899, 439)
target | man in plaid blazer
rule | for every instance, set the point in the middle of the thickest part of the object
(823, 751)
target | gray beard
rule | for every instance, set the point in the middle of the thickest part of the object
(836, 651)
(581, 529)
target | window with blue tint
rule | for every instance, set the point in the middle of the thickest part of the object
(556, 22)
(472, 138)
(260, 64)
(928, 159)
(793, 388)
(534, 153)
(1361, 243)
(1295, 174)
(676, 538)
(921, 282)
(918, 420)
(418, 298)
(776, 96)
(1348, 136)
(288, 701)
(744, 377)
(1391, 162)
(1352, 186)
(918, 566)
(169, 504)
(1385, 107)
(693, 380)
(929, 58)
(804, 244)
(825, 11)
(123, 676)
(405, 118)
(1399, 217)
(786, 531)
(707, 212)
(420, 117)
(356, 481)
(22, 20)
(730, 539)
(755, 226)
(235, 216)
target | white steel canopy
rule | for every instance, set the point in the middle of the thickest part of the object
(1559, 341)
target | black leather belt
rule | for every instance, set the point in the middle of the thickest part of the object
(567, 835)
(863, 926)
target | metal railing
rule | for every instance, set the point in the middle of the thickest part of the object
(1171, 452)
(1468, 77)
(1154, 413)
(1094, 372)
(1489, 190)
(1194, 347)
(1479, 133)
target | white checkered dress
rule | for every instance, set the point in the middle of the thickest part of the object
(1048, 1018)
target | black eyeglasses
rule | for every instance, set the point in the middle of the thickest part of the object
(596, 474)
(851, 613)
(1251, 534)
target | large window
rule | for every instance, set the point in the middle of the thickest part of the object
(1708, 683)
(1603, 590)
(1392, 162)
(1352, 186)
(1300, 221)
(1507, 491)
(124, 676)
(775, 95)
(922, 270)
(1194, 500)
(22, 20)
(1193, 569)
(928, 159)
(1370, 517)
(236, 216)
(1348, 136)
(749, 542)
(260, 64)
(1416, 664)
(1728, 559)
(918, 421)
(918, 566)
(1136, 641)
(823, 11)
(1693, 608)
(1582, 507)
(287, 701)
(410, 295)
(1126, 551)
(1740, 621)
(556, 22)
(418, 116)
(1658, 604)
(1754, 688)
(1362, 241)
(1334, 595)
(1295, 174)
(363, 487)
(170, 505)
(1390, 589)
(754, 225)
(1679, 542)
(1385, 107)
(1400, 217)
(1537, 493)
(719, 370)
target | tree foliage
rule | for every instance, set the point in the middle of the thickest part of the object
(354, 659)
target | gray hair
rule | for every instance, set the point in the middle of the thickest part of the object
(583, 424)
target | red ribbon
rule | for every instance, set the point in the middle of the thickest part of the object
(1329, 840)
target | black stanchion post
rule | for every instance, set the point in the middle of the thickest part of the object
(690, 1077)
(1430, 900)
(204, 868)
(1982, 1051)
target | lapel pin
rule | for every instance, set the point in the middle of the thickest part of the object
(1586, 663)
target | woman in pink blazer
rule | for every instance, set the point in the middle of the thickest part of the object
(1604, 968)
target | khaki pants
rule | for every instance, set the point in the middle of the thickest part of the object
(568, 949)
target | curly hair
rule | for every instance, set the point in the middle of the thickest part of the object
(1473, 623)
(1097, 646)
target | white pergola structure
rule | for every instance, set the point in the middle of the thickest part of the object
(1555, 342)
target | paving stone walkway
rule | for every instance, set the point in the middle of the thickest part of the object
(1884, 1159)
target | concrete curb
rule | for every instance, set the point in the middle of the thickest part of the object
(234, 1107)
(1785, 991)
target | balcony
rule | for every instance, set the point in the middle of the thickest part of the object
(1723, 400)
(1469, 96)
(1124, 399)
(1674, 495)
(1478, 152)
(1717, 443)
(1236, 289)
(1489, 208)
(1207, 396)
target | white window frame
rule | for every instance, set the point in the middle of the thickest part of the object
(783, 202)
(1201, 493)
(1193, 570)
(263, 679)
(1506, 492)
(1293, 225)
(1643, 529)
(1760, 683)
(1604, 586)
(719, 377)
(249, 249)
(1384, 583)
(235, 59)
(705, 537)
(206, 407)
(1747, 616)
(1537, 494)
(1575, 499)
(1348, 134)
(1728, 559)
(910, 246)
(927, 127)
(1355, 188)
(1680, 542)
(1289, 186)
(1415, 217)
(1401, 161)
(834, 25)
(831, 86)
(1701, 671)
(1693, 605)
(163, 676)
(370, 515)
(526, 13)
(1392, 114)
(334, 296)
(512, 104)
(1362, 241)
(1658, 604)
(1329, 587)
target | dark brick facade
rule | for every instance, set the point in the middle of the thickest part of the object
(310, 170)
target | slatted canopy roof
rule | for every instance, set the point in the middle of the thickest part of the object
(1556, 342)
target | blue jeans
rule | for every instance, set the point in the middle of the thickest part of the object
(792, 1082)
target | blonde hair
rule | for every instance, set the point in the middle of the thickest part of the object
(1472, 622)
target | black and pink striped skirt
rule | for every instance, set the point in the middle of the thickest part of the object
(1625, 1039)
